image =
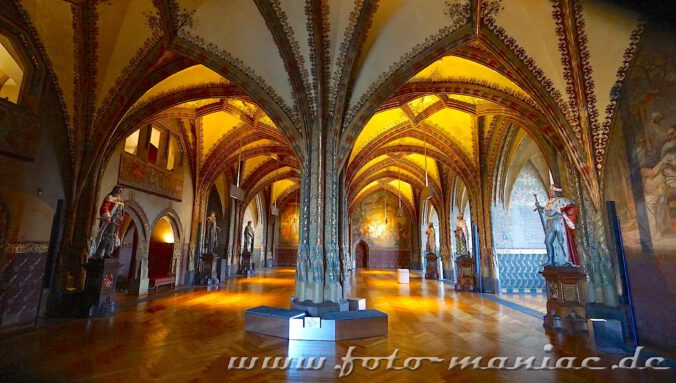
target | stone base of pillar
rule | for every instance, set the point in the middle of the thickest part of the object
(222, 269)
(490, 286)
(138, 286)
(620, 314)
(317, 309)
(189, 278)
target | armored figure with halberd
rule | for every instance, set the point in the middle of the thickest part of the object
(111, 214)
(558, 217)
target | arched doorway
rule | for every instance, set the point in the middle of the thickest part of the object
(361, 255)
(161, 249)
(127, 252)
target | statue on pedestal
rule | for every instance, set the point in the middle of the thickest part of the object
(211, 238)
(558, 217)
(111, 214)
(248, 238)
(431, 246)
(461, 236)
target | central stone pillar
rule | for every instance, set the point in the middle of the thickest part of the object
(318, 268)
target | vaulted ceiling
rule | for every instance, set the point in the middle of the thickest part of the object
(393, 72)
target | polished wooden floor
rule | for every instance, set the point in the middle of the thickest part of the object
(535, 302)
(191, 337)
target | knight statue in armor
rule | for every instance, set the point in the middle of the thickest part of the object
(111, 214)
(559, 217)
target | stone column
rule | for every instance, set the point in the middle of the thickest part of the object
(233, 237)
(445, 248)
(318, 276)
(481, 217)
(415, 263)
(593, 246)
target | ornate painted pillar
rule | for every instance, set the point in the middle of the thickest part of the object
(234, 239)
(415, 260)
(318, 269)
(344, 234)
(594, 247)
(481, 216)
(445, 247)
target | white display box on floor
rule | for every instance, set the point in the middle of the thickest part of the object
(402, 275)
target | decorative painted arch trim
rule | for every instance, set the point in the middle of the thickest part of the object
(266, 168)
(387, 189)
(139, 216)
(290, 175)
(239, 73)
(603, 135)
(444, 144)
(175, 222)
(289, 50)
(293, 191)
(214, 168)
(422, 55)
(448, 160)
(415, 180)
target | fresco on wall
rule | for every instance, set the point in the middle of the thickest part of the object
(641, 179)
(643, 148)
(368, 223)
(288, 227)
(138, 174)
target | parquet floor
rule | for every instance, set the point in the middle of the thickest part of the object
(191, 337)
(534, 302)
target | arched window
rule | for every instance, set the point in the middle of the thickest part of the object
(11, 71)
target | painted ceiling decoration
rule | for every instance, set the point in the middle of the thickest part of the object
(393, 76)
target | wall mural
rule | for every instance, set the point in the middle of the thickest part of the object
(641, 179)
(368, 223)
(288, 225)
(389, 243)
(138, 174)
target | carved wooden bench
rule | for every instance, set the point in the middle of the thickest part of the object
(162, 281)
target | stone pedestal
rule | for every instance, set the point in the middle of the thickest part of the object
(431, 267)
(566, 299)
(100, 284)
(208, 268)
(245, 267)
(466, 273)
